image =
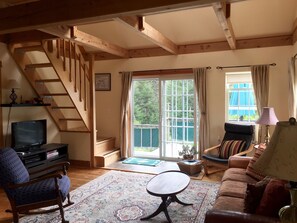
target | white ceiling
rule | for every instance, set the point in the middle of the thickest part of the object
(251, 18)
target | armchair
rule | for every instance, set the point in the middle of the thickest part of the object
(237, 141)
(26, 195)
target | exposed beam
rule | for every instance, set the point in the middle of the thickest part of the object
(36, 15)
(140, 26)
(86, 39)
(222, 11)
(283, 40)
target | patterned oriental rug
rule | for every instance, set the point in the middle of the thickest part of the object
(122, 197)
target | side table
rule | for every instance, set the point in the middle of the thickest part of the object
(192, 167)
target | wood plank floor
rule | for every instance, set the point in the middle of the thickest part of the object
(78, 177)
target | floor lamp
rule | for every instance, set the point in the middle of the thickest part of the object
(279, 161)
(267, 118)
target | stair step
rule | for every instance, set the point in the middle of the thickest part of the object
(55, 94)
(38, 65)
(29, 48)
(70, 119)
(48, 80)
(104, 145)
(108, 158)
(63, 107)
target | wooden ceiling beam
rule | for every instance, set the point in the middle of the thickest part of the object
(40, 14)
(222, 11)
(86, 39)
(146, 30)
(283, 40)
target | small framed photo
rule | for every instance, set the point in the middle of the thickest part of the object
(103, 82)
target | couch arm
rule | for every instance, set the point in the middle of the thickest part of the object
(239, 161)
(224, 216)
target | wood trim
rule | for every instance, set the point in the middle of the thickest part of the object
(283, 40)
(294, 32)
(222, 11)
(93, 135)
(80, 163)
(40, 14)
(146, 30)
(1, 118)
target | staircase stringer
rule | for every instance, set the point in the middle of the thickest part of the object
(32, 75)
(63, 74)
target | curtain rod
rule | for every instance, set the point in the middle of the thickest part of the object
(165, 71)
(221, 68)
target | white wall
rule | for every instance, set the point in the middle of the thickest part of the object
(108, 103)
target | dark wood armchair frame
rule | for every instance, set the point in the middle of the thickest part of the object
(26, 209)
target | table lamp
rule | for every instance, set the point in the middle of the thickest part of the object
(267, 118)
(279, 161)
(12, 84)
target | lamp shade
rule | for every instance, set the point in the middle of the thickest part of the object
(12, 84)
(267, 117)
(280, 157)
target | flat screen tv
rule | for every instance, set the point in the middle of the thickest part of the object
(28, 135)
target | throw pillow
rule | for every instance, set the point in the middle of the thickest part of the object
(254, 193)
(230, 147)
(275, 196)
(250, 170)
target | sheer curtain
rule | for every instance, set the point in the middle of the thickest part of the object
(292, 88)
(126, 115)
(260, 78)
(200, 87)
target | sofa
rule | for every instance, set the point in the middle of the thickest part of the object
(230, 204)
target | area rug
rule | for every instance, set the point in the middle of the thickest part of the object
(142, 161)
(122, 197)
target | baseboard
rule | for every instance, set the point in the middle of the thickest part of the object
(80, 163)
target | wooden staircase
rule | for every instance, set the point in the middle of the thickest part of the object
(105, 152)
(59, 75)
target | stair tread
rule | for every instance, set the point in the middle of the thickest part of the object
(71, 119)
(105, 153)
(30, 48)
(38, 65)
(48, 80)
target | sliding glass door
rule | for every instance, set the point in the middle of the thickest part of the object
(164, 117)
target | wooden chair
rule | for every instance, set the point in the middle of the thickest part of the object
(237, 141)
(26, 195)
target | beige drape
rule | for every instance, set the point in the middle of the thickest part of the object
(292, 88)
(126, 115)
(260, 78)
(200, 87)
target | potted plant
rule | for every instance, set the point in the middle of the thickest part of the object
(188, 152)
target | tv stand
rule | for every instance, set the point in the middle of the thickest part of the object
(46, 155)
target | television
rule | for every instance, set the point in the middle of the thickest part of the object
(28, 135)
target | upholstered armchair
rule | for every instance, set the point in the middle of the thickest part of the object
(26, 195)
(236, 142)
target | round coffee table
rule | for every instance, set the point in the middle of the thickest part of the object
(167, 185)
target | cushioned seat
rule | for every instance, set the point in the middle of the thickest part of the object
(25, 194)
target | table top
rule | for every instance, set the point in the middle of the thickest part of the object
(168, 183)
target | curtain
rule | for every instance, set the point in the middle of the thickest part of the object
(292, 88)
(126, 115)
(200, 87)
(260, 78)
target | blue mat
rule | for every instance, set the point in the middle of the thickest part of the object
(141, 161)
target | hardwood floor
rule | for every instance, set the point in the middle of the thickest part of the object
(78, 177)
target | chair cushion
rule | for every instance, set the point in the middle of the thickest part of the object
(231, 147)
(250, 169)
(12, 169)
(42, 191)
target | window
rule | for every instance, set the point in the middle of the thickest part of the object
(240, 98)
(164, 116)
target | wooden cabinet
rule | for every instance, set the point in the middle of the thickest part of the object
(44, 156)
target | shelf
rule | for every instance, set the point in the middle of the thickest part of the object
(24, 105)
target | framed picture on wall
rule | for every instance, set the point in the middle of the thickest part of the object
(102, 81)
